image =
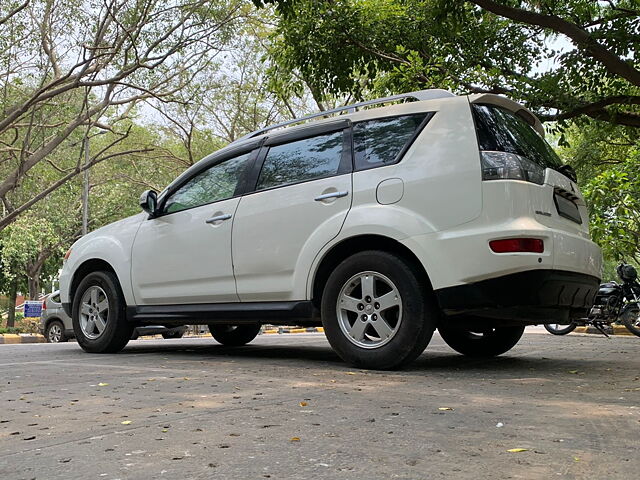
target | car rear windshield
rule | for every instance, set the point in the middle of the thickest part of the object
(500, 130)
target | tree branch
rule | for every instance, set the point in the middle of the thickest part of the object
(582, 38)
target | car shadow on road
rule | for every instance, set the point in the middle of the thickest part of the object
(322, 357)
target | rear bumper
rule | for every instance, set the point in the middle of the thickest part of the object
(529, 297)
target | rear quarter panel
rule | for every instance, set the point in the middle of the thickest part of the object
(441, 178)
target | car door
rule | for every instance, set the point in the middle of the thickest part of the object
(184, 254)
(300, 200)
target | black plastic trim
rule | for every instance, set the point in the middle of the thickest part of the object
(221, 312)
(307, 132)
(526, 296)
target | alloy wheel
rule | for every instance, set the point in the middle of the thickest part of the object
(94, 312)
(55, 333)
(369, 309)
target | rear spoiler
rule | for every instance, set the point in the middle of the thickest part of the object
(510, 105)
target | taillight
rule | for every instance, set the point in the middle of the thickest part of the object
(44, 305)
(511, 245)
(66, 255)
(510, 166)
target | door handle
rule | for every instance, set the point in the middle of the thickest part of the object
(326, 196)
(218, 218)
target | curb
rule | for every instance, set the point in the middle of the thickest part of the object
(617, 330)
(281, 330)
(12, 338)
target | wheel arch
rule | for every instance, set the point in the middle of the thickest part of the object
(352, 245)
(85, 268)
(50, 320)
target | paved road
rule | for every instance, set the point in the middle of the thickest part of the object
(285, 407)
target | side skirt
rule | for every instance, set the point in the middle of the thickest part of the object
(285, 313)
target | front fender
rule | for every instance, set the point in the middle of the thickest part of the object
(111, 244)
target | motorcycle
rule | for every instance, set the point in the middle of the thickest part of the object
(614, 302)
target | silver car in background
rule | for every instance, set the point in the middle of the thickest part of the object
(56, 325)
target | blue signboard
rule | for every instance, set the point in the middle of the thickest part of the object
(32, 309)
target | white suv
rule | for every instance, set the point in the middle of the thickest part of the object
(381, 224)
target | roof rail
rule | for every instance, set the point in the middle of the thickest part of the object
(419, 96)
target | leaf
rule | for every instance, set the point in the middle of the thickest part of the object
(574, 372)
(445, 408)
(517, 450)
(126, 422)
(101, 384)
(295, 439)
(350, 373)
(303, 404)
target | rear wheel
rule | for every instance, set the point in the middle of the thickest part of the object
(378, 311)
(55, 332)
(234, 335)
(557, 329)
(99, 314)
(631, 320)
(481, 342)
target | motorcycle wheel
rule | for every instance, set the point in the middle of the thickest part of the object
(631, 320)
(556, 329)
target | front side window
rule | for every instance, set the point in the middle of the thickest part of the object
(218, 182)
(302, 160)
(379, 142)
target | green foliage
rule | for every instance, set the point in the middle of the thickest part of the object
(614, 199)
(371, 47)
(607, 161)
(13, 330)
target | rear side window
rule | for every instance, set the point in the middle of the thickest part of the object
(302, 160)
(381, 141)
(56, 298)
(500, 130)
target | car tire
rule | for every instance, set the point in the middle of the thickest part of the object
(378, 335)
(54, 333)
(488, 342)
(173, 334)
(234, 335)
(558, 329)
(99, 314)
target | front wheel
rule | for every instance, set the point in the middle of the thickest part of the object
(99, 314)
(378, 311)
(557, 329)
(631, 320)
(234, 335)
(481, 342)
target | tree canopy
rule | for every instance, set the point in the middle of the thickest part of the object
(565, 60)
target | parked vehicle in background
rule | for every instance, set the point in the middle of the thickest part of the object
(56, 325)
(614, 303)
(52, 320)
(382, 224)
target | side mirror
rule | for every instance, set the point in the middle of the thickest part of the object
(149, 202)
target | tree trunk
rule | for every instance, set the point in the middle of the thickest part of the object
(34, 286)
(13, 293)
